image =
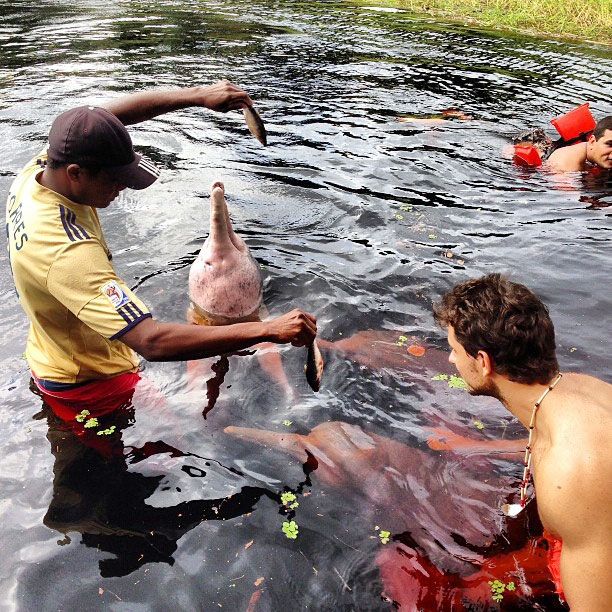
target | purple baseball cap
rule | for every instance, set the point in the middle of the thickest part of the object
(93, 136)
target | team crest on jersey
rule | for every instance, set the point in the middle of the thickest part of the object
(115, 294)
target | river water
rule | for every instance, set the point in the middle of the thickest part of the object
(354, 216)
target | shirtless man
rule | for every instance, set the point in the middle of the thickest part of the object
(596, 151)
(503, 345)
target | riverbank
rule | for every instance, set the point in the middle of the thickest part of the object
(582, 19)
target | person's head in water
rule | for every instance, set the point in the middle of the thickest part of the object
(497, 324)
(599, 144)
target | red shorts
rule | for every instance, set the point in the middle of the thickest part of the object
(554, 562)
(99, 396)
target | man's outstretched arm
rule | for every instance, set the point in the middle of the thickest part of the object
(134, 108)
(157, 341)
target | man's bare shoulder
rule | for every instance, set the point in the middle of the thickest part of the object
(569, 159)
(576, 470)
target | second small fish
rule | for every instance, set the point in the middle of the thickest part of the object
(255, 124)
(314, 366)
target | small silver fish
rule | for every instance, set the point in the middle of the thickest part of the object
(255, 124)
(314, 366)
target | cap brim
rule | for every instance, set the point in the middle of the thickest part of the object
(140, 174)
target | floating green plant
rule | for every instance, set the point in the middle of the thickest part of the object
(400, 217)
(93, 422)
(498, 588)
(383, 535)
(81, 416)
(432, 236)
(479, 425)
(401, 340)
(287, 423)
(289, 500)
(106, 432)
(456, 382)
(405, 207)
(290, 529)
(440, 377)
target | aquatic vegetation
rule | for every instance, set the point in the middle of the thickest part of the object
(106, 432)
(454, 382)
(81, 416)
(287, 422)
(406, 207)
(290, 529)
(478, 424)
(383, 535)
(401, 340)
(432, 236)
(289, 500)
(93, 422)
(498, 588)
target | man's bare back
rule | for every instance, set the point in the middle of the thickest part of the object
(572, 464)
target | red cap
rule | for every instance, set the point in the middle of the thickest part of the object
(93, 136)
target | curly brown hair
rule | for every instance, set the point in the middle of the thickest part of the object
(507, 321)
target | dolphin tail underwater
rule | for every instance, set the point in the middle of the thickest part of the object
(225, 284)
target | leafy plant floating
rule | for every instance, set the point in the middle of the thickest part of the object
(498, 588)
(106, 432)
(93, 422)
(287, 423)
(454, 382)
(81, 416)
(289, 500)
(383, 535)
(290, 529)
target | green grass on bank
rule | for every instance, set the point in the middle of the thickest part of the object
(585, 19)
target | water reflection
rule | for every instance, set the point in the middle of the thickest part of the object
(98, 494)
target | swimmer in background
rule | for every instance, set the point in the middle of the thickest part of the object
(595, 152)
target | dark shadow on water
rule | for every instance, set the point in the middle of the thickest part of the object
(97, 495)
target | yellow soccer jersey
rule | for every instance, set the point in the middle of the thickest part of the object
(78, 307)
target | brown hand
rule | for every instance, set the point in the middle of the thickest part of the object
(297, 327)
(224, 96)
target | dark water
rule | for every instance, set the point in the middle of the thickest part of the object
(161, 518)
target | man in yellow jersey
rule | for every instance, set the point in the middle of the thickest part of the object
(85, 323)
(502, 343)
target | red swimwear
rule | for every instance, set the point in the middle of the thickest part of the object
(554, 562)
(98, 396)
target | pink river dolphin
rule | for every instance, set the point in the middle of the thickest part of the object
(450, 540)
(225, 287)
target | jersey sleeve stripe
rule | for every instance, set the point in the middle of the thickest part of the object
(75, 226)
(64, 222)
(130, 325)
(134, 309)
(127, 317)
